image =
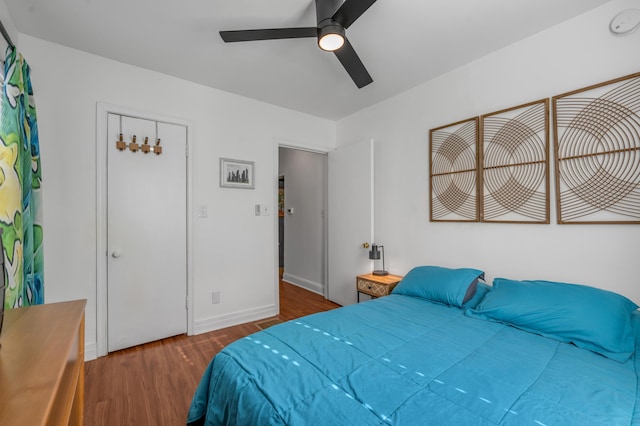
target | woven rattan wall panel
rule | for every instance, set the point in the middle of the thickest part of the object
(454, 172)
(597, 151)
(515, 166)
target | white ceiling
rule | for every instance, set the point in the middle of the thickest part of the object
(402, 43)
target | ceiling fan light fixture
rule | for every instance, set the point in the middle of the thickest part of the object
(331, 38)
(333, 18)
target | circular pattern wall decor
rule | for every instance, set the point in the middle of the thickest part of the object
(453, 172)
(598, 153)
(515, 164)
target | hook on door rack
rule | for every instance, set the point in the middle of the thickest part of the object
(133, 146)
(120, 144)
(146, 148)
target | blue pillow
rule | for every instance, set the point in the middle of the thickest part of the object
(482, 289)
(588, 317)
(442, 285)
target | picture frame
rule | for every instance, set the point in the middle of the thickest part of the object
(514, 152)
(453, 172)
(237, 173)
(596, 147)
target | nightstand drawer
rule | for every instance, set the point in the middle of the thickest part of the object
(376, 285)
(374, 289)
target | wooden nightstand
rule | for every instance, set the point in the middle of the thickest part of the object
(376, 285)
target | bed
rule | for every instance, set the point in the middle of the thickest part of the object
(443, 349)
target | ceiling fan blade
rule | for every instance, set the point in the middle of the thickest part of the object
(350, 11)
(354, 66)
(268, 34)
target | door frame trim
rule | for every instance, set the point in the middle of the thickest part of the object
(102, 111)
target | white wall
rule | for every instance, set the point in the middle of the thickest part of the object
(304, 236)
(573, 55)
(229, 246)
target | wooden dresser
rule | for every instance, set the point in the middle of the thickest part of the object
(42, 365)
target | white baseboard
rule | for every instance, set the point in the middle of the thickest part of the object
(209, 324)
(304, 283)
(228, 320)
(90, 351)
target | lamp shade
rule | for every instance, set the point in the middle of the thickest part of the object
(374, 253)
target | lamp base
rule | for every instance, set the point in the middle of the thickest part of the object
(380, 272)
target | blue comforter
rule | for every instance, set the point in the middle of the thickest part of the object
(400, 360)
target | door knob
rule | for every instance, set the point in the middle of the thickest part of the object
(365, 245)
(116, 254)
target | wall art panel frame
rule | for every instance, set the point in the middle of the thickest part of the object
(453, 172)
(514, 163)
(597, 153)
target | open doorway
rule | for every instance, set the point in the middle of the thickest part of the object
(303, 226)
(280, 226)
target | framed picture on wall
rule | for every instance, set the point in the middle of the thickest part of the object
(237, 173)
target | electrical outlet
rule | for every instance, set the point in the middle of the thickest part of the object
(202, 211)
(265, 210)
(215, 297)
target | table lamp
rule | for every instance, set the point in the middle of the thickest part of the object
(374, 254)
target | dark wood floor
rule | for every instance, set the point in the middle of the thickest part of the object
(153, 384)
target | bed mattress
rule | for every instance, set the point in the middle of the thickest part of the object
(402, 360)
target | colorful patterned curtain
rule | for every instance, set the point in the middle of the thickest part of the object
(20, 186)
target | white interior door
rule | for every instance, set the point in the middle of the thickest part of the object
(350, 218)
(146, 234)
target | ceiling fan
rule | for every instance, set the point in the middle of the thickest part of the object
(333, 17)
